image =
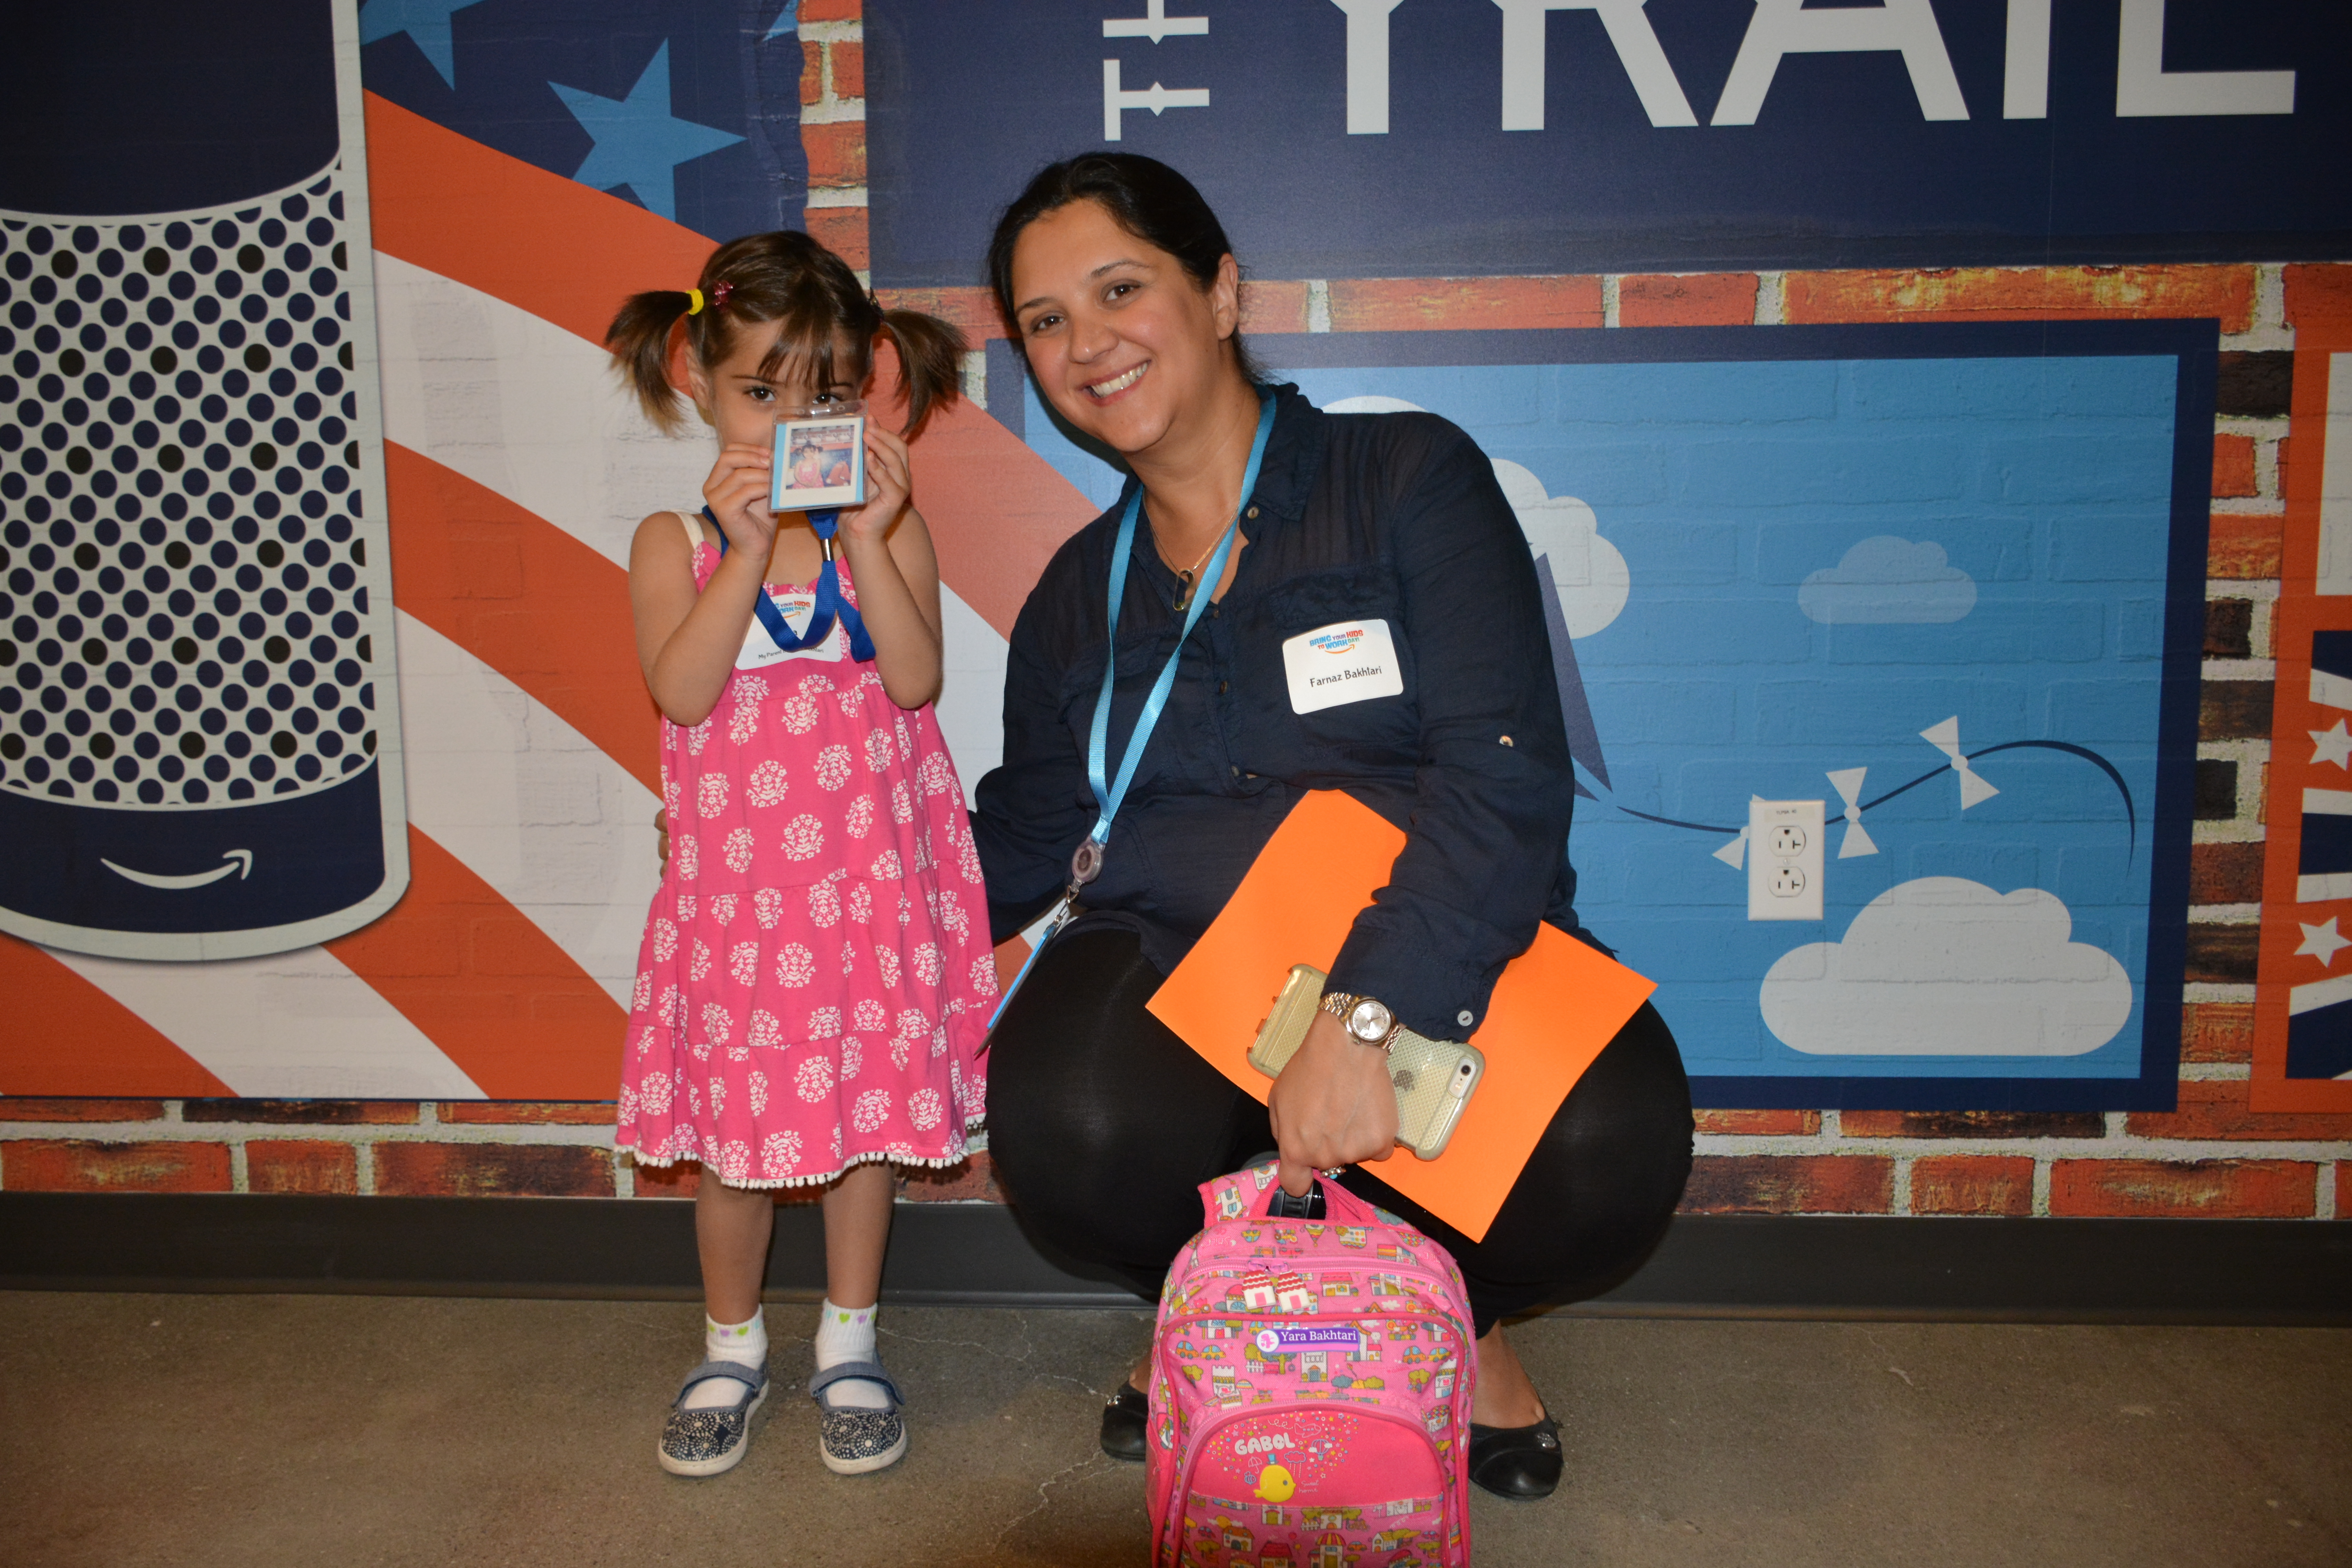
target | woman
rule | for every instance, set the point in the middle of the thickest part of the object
(1119, 284)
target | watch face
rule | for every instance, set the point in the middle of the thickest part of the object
(1369, 1021)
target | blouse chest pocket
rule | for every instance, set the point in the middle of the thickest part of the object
(1140, 653)
(1341, 656)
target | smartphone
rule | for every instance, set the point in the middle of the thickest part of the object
(1433, 1078)
(199, 734)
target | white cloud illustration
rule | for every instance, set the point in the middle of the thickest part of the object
(1886, 580)
(1588, 571)
(1944, 966)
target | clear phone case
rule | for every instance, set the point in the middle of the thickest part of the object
(1433, 1078)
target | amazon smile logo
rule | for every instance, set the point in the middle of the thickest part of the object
(237, 860)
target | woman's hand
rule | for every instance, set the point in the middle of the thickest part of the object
(1333, 1105)
(738, 490)
(890, 485)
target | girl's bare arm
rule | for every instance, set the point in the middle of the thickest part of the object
(688, 642)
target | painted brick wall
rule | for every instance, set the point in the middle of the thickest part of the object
(2212, 1157)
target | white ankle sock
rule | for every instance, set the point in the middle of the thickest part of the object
(746, 1343)
(847, 1333)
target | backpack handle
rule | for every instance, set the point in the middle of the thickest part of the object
(1251, 1192)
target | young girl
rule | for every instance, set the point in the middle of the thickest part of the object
(816, 975)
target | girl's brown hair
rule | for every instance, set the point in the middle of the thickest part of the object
(789, 280)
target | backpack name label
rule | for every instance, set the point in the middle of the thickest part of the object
(1307, 1336)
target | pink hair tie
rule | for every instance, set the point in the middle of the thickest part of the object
(719, 293)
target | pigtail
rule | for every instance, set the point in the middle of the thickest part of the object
(789, 286)
(639, 340)
(930, 362)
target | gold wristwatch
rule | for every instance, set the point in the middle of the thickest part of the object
(1367, 1021)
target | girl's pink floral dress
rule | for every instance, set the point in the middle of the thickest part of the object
(816, 975)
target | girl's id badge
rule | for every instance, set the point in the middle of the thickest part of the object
(820, 462)
(798, 604)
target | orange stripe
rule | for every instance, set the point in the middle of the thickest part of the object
(997, 511)
(549, 244)
(60, 1034)
(488, 987)
(527, 599)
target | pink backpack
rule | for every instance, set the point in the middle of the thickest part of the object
(1310, 1398)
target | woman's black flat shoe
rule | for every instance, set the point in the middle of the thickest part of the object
(1522, 1463)
(1124, 1419)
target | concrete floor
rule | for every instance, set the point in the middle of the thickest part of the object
(258, 1430)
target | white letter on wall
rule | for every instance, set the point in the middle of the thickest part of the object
(1629, 33)
(2144, 87)
(2025, 78)
(1368, 65)
(1785, 28)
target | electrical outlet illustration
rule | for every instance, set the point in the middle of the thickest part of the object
(1784, 860)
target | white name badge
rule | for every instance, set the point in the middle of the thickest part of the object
(1347, 661)
(760, 650)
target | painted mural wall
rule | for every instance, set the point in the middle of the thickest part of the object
(1899, 397)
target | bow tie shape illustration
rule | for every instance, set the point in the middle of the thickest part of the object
(1848, 784)
(1945, 738)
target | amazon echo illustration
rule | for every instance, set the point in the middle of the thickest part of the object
(199, 734)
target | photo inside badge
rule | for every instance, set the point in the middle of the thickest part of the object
(820, 458)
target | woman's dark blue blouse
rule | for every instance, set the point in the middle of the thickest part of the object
(1394, 517)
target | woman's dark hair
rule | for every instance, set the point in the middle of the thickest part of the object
(788, 279)
(1145, 198)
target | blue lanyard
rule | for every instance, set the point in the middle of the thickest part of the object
(1087, 862)
(829, 606)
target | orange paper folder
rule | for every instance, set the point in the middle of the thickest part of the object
(1556, 1006)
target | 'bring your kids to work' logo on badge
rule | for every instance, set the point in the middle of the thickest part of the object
(1348, 661)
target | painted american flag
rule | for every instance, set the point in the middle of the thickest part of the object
(530, 164)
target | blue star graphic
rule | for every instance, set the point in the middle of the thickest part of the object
(426, 22)
(638, 143)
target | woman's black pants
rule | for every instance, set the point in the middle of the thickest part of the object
(1102, 1123)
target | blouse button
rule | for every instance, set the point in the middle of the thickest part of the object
(1251, 513)
(1462, 1017)
(1223, 685)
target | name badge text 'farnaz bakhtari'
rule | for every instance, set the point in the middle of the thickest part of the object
(1347, 661)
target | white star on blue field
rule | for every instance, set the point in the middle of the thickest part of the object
(426, 22)
(638, 143)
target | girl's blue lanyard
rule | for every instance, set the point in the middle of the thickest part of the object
(1085, 865)
(829, 606)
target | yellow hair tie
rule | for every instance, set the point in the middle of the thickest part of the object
(694, 306)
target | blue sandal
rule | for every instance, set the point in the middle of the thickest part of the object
(705, 1442)
(852, 1441)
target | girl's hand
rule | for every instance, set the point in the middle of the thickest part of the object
(890, 485)
(1333, 1105)
(738, 491)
